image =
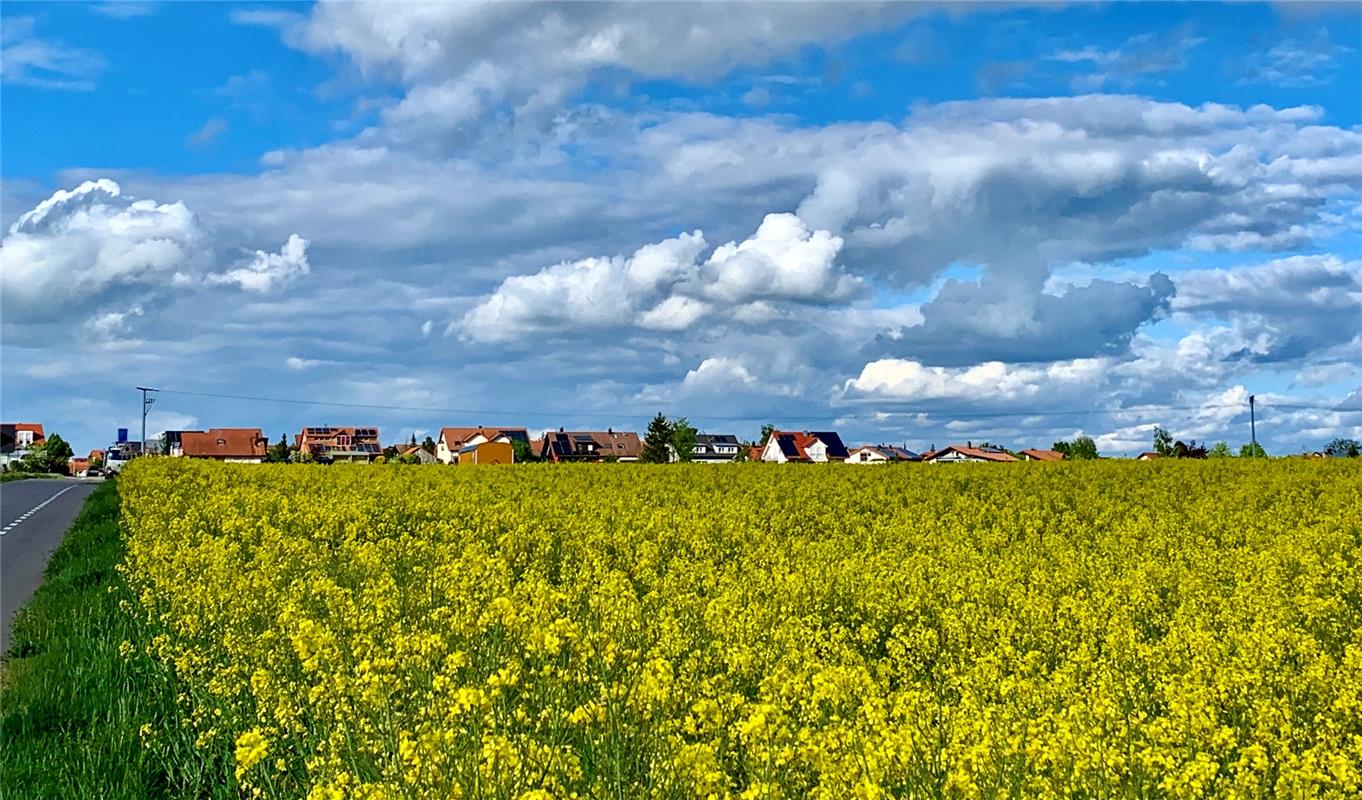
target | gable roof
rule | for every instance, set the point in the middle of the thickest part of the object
(223, 443)
(795, 444)
(455, 437)
(971, 452)
(889, 451)
(1043, 455)
(609, 444)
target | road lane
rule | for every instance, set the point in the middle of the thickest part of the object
(34, 516)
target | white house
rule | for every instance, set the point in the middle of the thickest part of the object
(803, 446)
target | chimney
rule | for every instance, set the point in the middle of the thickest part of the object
(969, 444)
(610, 431)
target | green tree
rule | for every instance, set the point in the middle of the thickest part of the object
(278, 453)
(1343, 448)
(1221, 450)
(53, 455)
(428, 445)
(655, 441)
(1252, 450)
(766, 431)
(1082, 448)
(523, 453)
(1163, 441)
(683, 438)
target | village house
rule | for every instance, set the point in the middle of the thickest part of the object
(78, 467)
(803, 446)
(957, 453)
(561, 446)
(416, 451)
(452, 440)
(1150, 455)
(327, 444)
(17, 437)
(236, 445)
(711, 448)
(1032, 454)
(880, 454)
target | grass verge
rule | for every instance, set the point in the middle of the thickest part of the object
(84, 712)
(11, 475)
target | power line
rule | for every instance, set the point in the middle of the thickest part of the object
(764, 417)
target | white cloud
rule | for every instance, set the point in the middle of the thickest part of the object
(904, 380)
(96, 247)
(782, 261)
(207, 133)
(664, 287)
(717, 374)
(123, 9)
(30, 60)
(299, 364)
(1296, 62)
(458, 61)
(267, 271)
(82, 244)
(112, 324)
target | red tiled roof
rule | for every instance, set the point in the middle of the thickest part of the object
(754, 452)
(972, 452)
(35, 427)
(455, 437)
(1043, 455)
(224, 443)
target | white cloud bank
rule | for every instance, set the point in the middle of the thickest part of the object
(94, 247)
(666, 287)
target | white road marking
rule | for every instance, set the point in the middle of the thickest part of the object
(33, 510)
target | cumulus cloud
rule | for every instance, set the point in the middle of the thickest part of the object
(911, 381)
(1283, 310)
(80, 246)
(95, 246)
(665, 286)
(264, 271)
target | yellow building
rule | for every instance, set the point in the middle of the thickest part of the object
(488, 453)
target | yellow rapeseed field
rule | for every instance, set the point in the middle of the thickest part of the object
(1165, 629)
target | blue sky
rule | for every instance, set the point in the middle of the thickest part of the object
(942, 219)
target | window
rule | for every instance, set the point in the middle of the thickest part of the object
(222, 442)
(343, 440)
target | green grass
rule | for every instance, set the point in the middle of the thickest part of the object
(71, 707)
(11, 475)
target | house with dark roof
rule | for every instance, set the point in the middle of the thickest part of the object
(957, 453)
(1032, 454)
(712, 448)
(237, 445)
(328, 444)
(804, 446)
(563, 446)
(880, 454)
(453, 440)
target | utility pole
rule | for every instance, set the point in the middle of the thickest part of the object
(147, 401)
(1253, 426)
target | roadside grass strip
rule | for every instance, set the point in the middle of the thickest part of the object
(78, 698)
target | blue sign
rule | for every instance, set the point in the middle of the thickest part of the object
(122, 435)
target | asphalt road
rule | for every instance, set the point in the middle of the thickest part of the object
(34, 516)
